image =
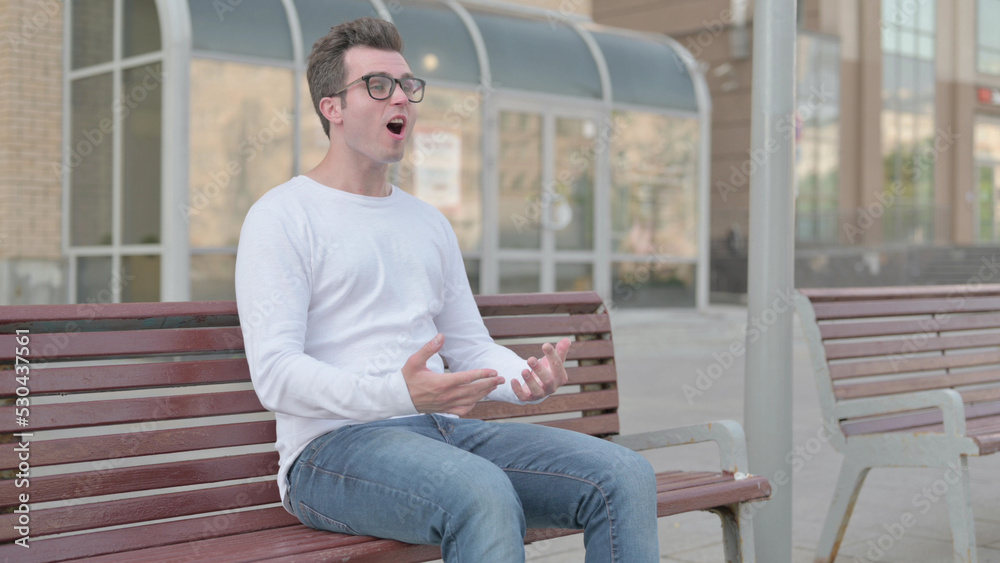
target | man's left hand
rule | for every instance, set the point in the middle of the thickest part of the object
(546, 375)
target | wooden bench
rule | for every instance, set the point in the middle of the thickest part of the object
(907, 376)
(149, 443)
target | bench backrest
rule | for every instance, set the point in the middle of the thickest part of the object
(133, 404)
(869, 342)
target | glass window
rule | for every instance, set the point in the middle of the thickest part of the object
(988, 52)
(571, 208)
(538, 56)
(654, 193)
(908, 94)
(520, 277)
(520, 168)
(141, 27)
(987, 139)
(443, 162)
(212, 277)
(574, 277)
(817, 146)
(141, 134)
(93, 280)
(437, 43)
(92, 33)
(240, 145)
(90, 160)
(652, 283)
(317, 17)
(646, 72)
(254, 29)
(140, 279)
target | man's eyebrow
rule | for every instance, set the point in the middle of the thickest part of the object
(387, 73)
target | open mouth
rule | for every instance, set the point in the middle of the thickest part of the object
(396, 126)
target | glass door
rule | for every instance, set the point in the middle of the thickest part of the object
(988, 188)
(545, 178)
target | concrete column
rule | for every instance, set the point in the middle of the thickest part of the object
(768, 395)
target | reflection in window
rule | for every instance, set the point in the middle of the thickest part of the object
(93, 280)
(987, 154)
(443, 162)
(817, 149)
(654, 185)
(574, 277)
(241, 145)
(571, 204)
(520, 277)
(92, 32)
(520, 167)
(908, 94)
(652, 283)
(141, 27)
(988, 51)
(142, 89)
(140, 279)
(212, 277)
(90, 164)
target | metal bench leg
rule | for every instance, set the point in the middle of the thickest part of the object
(737, 532)
(963, 526)
(852, 476)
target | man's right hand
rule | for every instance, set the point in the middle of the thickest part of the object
(453, 393)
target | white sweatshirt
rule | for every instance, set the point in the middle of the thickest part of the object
(335, 291)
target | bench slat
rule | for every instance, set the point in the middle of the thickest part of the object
(115, 446)
(953, 291)
(128, 376)
(559, 403)
(152, 535)
(897, 346)
(143, 478)
(50, 521)
(570, 302)
(125, 411)
(910, 326)
(580, 350)
(131, 316)
(522, 327)
(595, 424)
(82, 345)
(896, 308)
(916, 383)
(902, 364)
(917, 419)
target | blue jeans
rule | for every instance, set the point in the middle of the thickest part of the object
(472, 487)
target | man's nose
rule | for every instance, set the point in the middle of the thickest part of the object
(398, 96)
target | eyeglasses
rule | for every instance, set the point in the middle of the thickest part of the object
(381, 87)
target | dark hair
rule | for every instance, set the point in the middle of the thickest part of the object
(326, 73)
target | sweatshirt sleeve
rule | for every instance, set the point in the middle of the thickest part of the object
(468, 345)
(273, 292)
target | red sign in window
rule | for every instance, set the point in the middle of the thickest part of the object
(988, 96)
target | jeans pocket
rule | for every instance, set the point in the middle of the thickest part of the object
(314, 519)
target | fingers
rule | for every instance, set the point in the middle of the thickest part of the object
(419, 358)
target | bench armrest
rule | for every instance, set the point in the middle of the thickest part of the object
(727, 434)
(948, 401)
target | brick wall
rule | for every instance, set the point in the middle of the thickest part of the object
(30, 128)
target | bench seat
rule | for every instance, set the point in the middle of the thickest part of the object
(148, 442)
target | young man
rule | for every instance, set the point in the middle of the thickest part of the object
(350, 292)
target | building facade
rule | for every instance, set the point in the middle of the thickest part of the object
(896, 134)
(567, 155)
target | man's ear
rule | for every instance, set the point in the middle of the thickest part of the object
(331, 109)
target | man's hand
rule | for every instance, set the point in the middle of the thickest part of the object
(546, 375)
(454, 393)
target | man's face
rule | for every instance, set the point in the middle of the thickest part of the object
(376, 129)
